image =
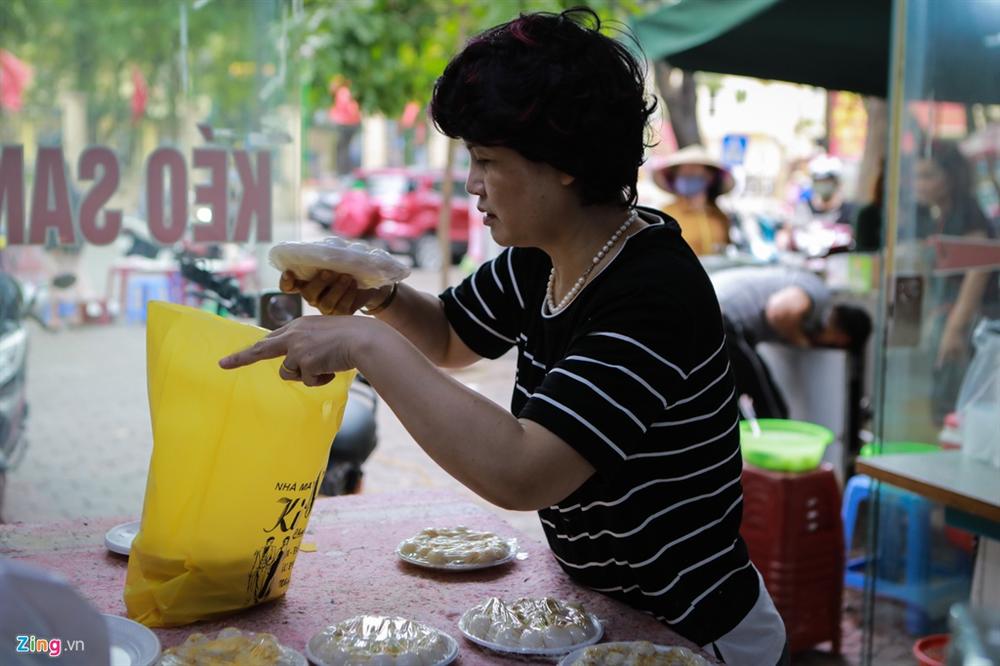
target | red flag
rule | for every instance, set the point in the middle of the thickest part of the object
(140, 94)
(15, 76)
(410, 113)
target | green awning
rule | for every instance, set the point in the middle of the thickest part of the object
(835, 44)
(953, 47)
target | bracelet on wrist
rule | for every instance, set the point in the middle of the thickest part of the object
(385, 303)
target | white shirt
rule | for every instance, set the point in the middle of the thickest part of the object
(759, 638)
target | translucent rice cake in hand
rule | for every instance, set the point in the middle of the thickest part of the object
(370, 267)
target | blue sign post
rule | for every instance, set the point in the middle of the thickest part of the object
(734, 149)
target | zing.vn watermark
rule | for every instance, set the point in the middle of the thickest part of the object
(53, 647)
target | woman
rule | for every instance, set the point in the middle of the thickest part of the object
(622, 432)
(947, 206)
(696, 180)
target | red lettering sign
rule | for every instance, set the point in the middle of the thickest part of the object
(50, 186)
(256, 198)
(212, 195)
(166, 161)
(99, 195)
(12, 192)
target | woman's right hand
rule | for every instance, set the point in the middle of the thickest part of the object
(333, 293)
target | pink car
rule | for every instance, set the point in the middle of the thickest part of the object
(358, 211)
(401, 208)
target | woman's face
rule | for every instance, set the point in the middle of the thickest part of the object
(520, 198)
(693, 170)
(931, 184)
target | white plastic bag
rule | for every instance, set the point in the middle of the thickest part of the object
(979, 399)
(370, 267)
(42, 605)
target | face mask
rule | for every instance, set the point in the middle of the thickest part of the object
(825, 189)
(689, 186)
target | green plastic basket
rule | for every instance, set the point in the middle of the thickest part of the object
(887, 448)
(785, 445)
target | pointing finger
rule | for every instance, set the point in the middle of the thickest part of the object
(264, 349)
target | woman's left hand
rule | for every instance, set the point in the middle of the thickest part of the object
(315, 348)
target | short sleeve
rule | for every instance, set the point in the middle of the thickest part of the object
(485, 310)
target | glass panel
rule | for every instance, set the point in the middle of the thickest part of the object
(135, 136)
(943, 300)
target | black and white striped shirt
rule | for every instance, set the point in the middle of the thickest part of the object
(635, 377)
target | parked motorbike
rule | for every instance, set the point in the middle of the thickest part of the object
(821, 238)
(13, 358)
(18, 303)
(358, 434)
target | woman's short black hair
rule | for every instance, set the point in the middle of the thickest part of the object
(556, 90)
(956, 169)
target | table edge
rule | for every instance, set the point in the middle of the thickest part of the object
(938, 493)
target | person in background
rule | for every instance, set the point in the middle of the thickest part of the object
(622, 430)
(779, 304)
(696, 181)
(868, 225)
(797, 184)
(947, 206)
(825, 201)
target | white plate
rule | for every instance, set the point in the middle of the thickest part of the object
(131, 643)
(447, 659)
(662, 649)
(119, 538)
(553, 652)
(460, 566)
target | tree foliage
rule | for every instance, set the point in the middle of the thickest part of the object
(391, 51)
(91, 47)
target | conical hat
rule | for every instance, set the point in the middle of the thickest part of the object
(694, 154)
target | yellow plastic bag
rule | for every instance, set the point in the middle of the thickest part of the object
(237, 460)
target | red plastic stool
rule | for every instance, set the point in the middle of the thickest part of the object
(795, 537)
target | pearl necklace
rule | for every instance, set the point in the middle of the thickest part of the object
(550, 300)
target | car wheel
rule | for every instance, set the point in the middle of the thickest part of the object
(427, 252)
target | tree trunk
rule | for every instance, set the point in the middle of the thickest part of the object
(444, 223)
(679, 93)
(345, 133)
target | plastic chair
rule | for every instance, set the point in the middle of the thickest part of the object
(904, 568)
(142, 289)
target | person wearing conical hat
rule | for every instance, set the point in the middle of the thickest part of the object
(696, 179)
